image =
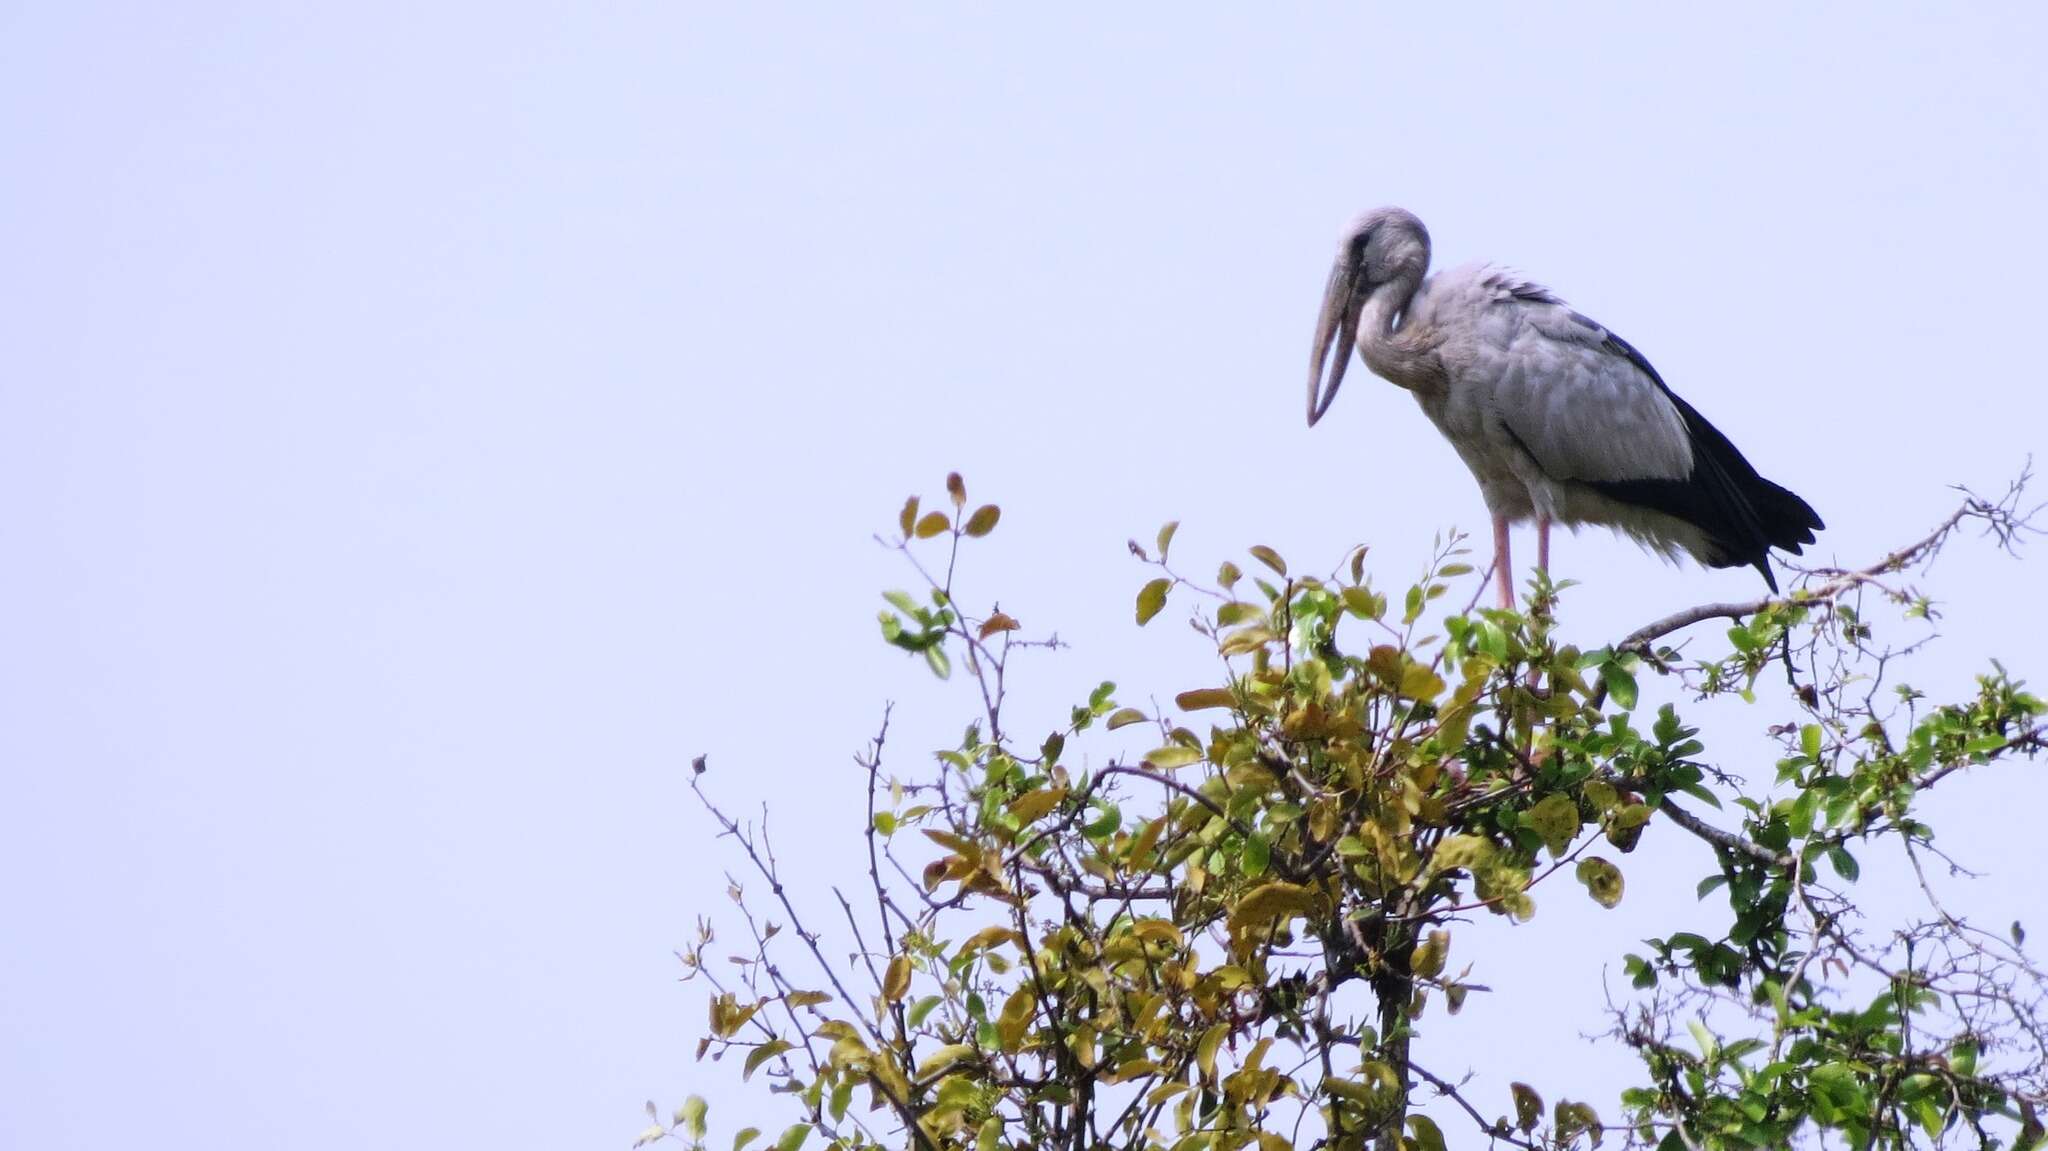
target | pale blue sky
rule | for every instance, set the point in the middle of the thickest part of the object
(424, 427)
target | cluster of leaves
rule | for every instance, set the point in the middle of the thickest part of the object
(1237, 936)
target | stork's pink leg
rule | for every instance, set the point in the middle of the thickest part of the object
(1543, 544)
(1503, 567)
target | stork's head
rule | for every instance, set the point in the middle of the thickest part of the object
(1386, 246)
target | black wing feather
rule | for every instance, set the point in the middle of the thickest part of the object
(1742, 514)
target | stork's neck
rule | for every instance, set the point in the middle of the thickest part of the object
(1389, 339)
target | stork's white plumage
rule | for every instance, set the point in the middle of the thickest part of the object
(1559, 419)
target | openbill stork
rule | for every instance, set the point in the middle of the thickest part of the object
(1559, 419)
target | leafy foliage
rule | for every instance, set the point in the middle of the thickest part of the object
(1240, 936)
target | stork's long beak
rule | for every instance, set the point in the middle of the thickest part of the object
(1343, 300)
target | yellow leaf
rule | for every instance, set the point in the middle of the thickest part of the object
(896, 980)
(1151, 598)
(1131, 1069)
(1205, 1050)
(1125, 717)
(995, 623)
(1032, 805)
(989, 937)
(1165, 1091)
(1166, 536)
(1269, 557)
(1528, 1106)
(1419, 682)
(1257, 1055)
(957, 488)
(959, 843)
(1158, 931)
(945, 1056)
(909, 517)
(1171, 756)
(1268, 902)
(890, 1078)
(1148, 835)
(1203, 698)
(1245, 640)
(808, 998)
(932, 524)
(837, 1029)
(983, 521)
(1428, 958)
(1015, 1017)
(1348, 1091)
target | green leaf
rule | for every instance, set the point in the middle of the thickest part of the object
(1556, 819)
(983, 521)
(921, 1009)
(1843, 863)
(1709, 1047)
(1620, 684)
(1125, 717)
(1257, 854)
(935, 658)
(1528, 1106)
(1809, 741)
(1236, 612)
(690, 1116)
(1427, 1135)
(747, 1135)
(1602, 880)
(794, 1137)
(1228, 575)
(1171, 756)
(1151, 598)
(763, 1054)
(1364, 604)
(1166, 537)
